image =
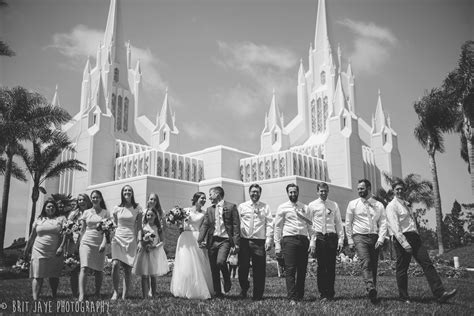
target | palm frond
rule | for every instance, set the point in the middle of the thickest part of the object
(63, 166)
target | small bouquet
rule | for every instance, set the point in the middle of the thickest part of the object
(71, 262)
(106, 226)
(148, 239)
(21, 265)
(176, 215)
(70, 227)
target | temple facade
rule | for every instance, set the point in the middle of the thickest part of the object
(326, 141)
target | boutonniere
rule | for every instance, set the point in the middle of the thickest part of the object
(329, 210)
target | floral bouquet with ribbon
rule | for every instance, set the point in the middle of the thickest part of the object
(106, 226)
(21, 265)
(69, 227)
(148, 239)
(71, 262)
(176, 216)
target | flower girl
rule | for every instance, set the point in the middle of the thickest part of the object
(150, 260)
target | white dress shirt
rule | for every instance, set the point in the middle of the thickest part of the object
(365, 217)
(256, 221)
(220, 227)
(400, 220)
(288, 223)
(326, 219)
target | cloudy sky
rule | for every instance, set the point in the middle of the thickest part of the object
(221, 59)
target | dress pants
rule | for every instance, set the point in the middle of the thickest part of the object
(369, 258)
(218, 253)
(326, 252)
(295, 253)
(252, 249)
(421, 256)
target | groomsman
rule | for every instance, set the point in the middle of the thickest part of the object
(402, 224)
(366, 226)
(220, 233)
(328, 239)
(256, 232)
(292, 233)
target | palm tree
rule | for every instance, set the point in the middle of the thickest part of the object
(417, 189)
(22, 113)
(43, 164)
(459, 87)
(435, 118)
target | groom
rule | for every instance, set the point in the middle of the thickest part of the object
(220, 233)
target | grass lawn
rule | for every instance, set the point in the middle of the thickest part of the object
(350, 298)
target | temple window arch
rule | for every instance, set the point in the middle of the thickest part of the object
(319, 111)
(116, 75)
(323, 77)
(313, 116)
(119, 113)
(125, 114)
(325, 112)
(275, 136)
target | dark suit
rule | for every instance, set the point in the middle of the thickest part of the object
(219, 247)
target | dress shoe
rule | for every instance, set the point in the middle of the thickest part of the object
(373, 295)
(447, 295)
(292, 302)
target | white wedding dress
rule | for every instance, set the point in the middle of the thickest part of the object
(192, 276)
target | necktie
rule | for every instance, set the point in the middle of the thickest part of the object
(324, 228)
(218, 220)
(251, 226)
(368, 207)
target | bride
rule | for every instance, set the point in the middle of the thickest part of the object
(192, 273)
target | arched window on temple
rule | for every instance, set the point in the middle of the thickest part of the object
(325, 111)
(313, 116)
(116, 75)
(323, 77)
(275, 137)
(119, 114)
(319, 111)
(125, 115)
(114, 108)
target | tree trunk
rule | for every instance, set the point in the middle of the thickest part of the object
(6, 193)
(437, 203)
(34, 199)
(470, 152)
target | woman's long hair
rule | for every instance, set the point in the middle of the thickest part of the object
(102, 202)
(43, 210)
(122, 198)
(196, 197)
(157, 207)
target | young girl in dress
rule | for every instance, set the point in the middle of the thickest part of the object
(150, 261)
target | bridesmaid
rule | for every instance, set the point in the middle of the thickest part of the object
(83, 203)
(46, 256)
(128, 218)
(92, 244)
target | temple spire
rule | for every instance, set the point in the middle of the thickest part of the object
(321, 38)
(379, 115)
(113, 31)
(55, 101)
(165, 117)
(274, 114)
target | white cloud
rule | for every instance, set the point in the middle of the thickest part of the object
(372, 45)
(83, 41)
(265, 68)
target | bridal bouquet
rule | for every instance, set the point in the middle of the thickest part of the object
(176, 215)
(21, 265)
(69, 227)
(71, 262)
(106, 226)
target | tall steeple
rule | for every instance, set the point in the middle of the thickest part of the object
(379, 121)
(165, 117)
(55, 101)
(321, 38)
(274, 114)
(113, 37)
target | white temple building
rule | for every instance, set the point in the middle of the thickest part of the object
(326, 141)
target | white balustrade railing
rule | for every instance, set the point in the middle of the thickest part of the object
(124, 148)
(281, 164)
(159, 163)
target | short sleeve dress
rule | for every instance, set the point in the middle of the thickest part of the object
(124, 242)
(44, 262)
(89, 248)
